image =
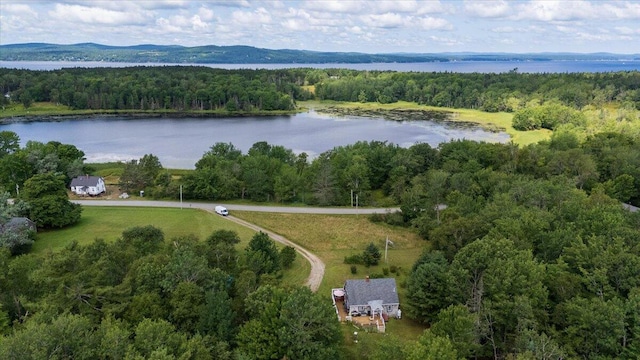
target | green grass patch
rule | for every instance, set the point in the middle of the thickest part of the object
(108, 223)
(38, 108)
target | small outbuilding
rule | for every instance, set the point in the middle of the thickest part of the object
(18, 224)
(372, 297)
(88, 185)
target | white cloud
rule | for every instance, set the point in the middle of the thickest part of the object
(295, 24)
(625, 30)
(94, 15)
(355, 30)
(17, 9)
(430, 23)
(387, 20)
(257, 17)
(555, 10)
(336, 6)
(332, 25)
(385, 6)
(487, 9)
(205, 13)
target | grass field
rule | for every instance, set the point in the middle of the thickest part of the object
(333, 237)
(108, 223)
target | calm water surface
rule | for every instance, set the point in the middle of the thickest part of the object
(180, 143)
(552, 66)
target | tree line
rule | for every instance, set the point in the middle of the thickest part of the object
(379, 173)
(155, 88)
(185, 88)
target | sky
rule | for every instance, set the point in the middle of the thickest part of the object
(515, 26)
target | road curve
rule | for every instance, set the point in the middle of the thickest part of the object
(317, 265)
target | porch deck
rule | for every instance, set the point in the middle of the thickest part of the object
(376, 322)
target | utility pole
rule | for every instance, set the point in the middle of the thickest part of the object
(180, 196)
(386, 248)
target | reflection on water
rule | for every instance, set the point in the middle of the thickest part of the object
(179, 143)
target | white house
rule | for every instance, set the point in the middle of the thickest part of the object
(372, 297)
(88, 185)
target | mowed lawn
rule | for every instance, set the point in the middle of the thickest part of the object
(108, 223)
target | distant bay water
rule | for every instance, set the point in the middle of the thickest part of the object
(180, 143)
(551, 66)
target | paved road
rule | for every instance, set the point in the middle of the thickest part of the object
(317, 265)
(211, 207)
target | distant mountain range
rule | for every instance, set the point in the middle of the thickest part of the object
(212, 54)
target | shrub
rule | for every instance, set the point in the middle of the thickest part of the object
(287, 256)
(354, 259)
(354, 269)
(371, 255)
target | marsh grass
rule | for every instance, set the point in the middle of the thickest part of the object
(493, 121)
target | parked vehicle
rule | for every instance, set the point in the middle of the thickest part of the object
(221, 210)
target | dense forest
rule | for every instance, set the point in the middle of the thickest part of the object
(201, 88)
(530, 253)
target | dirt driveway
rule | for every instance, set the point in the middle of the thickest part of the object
(317, 265)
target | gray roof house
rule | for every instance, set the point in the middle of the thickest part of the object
(88, 185)
(17, 224)
(372, 296)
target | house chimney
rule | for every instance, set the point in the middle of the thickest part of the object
(367, 278)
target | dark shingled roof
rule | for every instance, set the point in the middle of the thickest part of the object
(17, 223)
(360, 292)
(85, 180)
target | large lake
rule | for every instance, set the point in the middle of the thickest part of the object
(179, 143)
(552, 66)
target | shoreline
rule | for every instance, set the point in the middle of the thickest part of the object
(368, 110)
(45, 117)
